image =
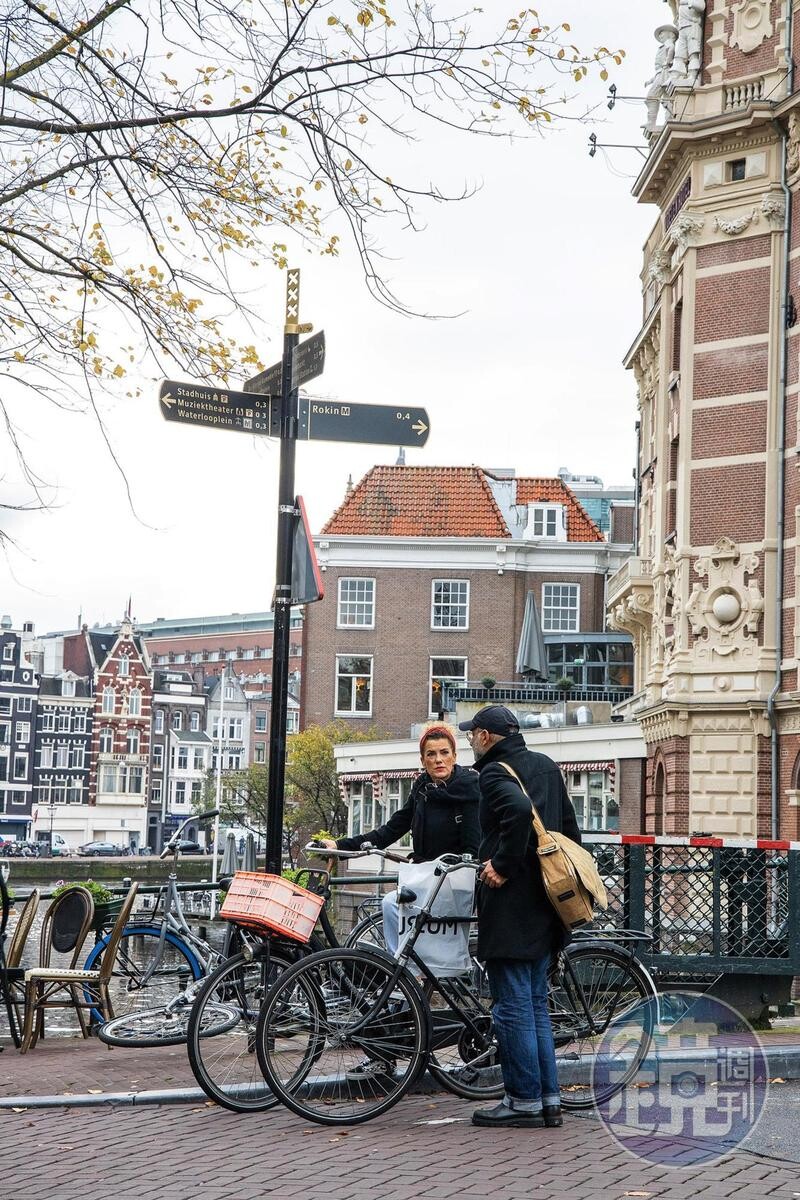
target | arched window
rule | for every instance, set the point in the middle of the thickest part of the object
(176, 720)
(106, 739)
(135, 703)
(659, 799)
(108, 699)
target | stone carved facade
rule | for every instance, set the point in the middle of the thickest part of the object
(702, 595)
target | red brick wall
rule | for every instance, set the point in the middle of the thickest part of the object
(738, 64)
(137, 677)
(631, 792)
(402, 642)
(732, 429)
(727, 502)
(673, 754)
(730, 306)
(729, 372)
(737, 251)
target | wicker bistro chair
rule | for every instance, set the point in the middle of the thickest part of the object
(6, 975)
(14, 972)
(59, 987)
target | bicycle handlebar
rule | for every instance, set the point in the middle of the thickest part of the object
(445, 862)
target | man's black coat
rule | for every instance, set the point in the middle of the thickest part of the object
(443, 818)
(516, 920)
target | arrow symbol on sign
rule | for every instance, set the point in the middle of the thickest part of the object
(419, 427)
(168, 399)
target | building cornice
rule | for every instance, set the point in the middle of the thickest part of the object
(467, 554)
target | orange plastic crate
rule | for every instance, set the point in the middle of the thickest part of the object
(271, 903)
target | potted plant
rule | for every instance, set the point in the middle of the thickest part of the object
(488, 682)
(106, 904)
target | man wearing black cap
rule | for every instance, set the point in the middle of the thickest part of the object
(517, 928)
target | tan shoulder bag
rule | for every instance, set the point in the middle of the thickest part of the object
(570, 877)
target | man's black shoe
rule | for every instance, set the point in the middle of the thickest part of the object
(503, 1117)
(552, 1116)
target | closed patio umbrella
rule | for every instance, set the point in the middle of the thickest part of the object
(230, 861)
(249, 857)
(531, 654)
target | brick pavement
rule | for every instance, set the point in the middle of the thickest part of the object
(58, 1066)
(202, 1152)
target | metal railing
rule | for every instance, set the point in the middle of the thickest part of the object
(708, 908)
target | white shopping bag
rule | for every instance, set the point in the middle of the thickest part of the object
(443, 944)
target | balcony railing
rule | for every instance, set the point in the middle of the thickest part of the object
(635, 570)
(522, 692)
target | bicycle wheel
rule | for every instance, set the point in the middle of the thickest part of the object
(224, 1060)
(603, 1012)
(339, 1039)
(367, 932)
(138, 946)
(165, 1026)
(464, 1057)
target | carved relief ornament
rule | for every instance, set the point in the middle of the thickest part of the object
(685, 230)
(726, 611)
(736, 224)
(751, 25)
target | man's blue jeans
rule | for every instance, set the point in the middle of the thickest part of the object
(522, 1025)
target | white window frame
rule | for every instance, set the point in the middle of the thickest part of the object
(46, 756)
(124, 666)
(79, 720)
(183, 753)
(437, 583)
(548, 608)
(260, 755)
(17, 776)
(198, 759)
(177, 721)
(8, 652)
(62, 756)
(63, 722)
(49, 721)
(158, 721)
(194, 722)
(106, 741)
(155, 793)
(434, 657)
(24, 704)
(356, 603)
(352, 711)
(109, 698)
(67, 687)
(22, 733)
(133, 741)
(135, 702)
(158, 757)
(76, 759)
(545, 515)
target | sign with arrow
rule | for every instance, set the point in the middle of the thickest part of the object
(217, 408)
(381, 424)
(308, 361)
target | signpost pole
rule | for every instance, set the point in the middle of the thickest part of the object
(283, 583)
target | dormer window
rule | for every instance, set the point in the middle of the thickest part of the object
(67, 687)
(546, 521)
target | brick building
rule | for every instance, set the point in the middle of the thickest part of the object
(19, 686)
(62, 756)
(427, 570)
(712, 596)
(180, 753)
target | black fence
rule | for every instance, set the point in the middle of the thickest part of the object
(708, 909)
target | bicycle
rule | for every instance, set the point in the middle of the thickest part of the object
(222, 1053)
(335, 1006)
(157, 966)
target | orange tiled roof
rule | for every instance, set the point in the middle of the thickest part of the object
(580, 526)
(446, 502)
(420, 502)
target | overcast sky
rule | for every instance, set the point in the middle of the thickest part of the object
(543, 265)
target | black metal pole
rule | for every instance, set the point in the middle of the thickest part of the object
(283, 585)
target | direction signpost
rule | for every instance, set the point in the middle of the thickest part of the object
(271, 406)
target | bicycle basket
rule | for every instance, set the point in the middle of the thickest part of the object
(269, 903)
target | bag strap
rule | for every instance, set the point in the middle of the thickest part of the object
(546, 843)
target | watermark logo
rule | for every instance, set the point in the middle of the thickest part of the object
(699, 1089)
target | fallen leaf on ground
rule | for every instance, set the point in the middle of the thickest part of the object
(782, 1081)
(19, 1110)
(637, 1193)
(95, 1091)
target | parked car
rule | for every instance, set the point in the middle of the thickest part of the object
(110, 849)
(186, 846)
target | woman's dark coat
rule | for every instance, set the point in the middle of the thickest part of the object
(516, 920)
(443, 818)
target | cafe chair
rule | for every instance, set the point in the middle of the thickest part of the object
(68, 987)
(15, 973)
